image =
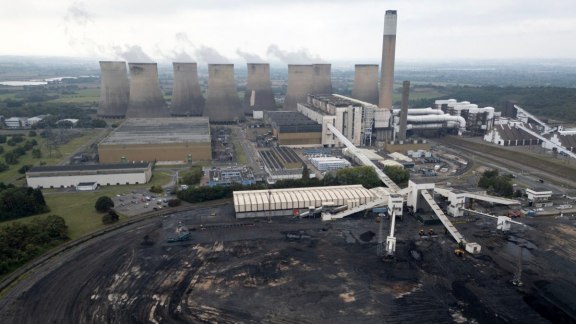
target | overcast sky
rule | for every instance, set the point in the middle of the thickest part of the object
(291, 31)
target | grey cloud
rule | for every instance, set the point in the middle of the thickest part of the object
(210, 55)
(250, 57)
(302, 56)
(132, 53)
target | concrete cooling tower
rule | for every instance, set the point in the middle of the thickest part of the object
(322, 81)
(388, 57)
(365, 86)
(222, 103)
(187, 97)
(114, 89)
(146, 99)
(300, 80)
(259, 95)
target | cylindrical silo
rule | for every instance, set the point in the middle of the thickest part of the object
(322, 81)
(222, 102)
(300, 78)
(114, 89)
(187, 97)
(365, 86)
(258, 95)
(146, 99)
(388, 57)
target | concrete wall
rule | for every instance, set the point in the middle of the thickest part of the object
(322, 79)
(365, 85)
(222, 103)
(154, 152)
(298, 138)
(187, 99)
(300, 81)
(114, 89)
(258, 95)
(146, 98)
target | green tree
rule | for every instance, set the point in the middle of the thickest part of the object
(3, 167)
(98, 123)
(397, 174)
(2, 139)
(36, 153)
(110, 217)
(156, 189)
(104, 204)
(24, 169)
(32, 133)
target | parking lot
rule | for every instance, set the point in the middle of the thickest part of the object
(136, 202)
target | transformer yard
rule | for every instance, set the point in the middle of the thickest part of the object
(299, 270)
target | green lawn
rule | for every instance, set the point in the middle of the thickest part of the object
(239, 152)
(77, 208)
(81, 96)
(11, 175)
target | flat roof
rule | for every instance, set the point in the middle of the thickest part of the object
(88, 167)
(292, 122)
(160, 130)
(333, 100)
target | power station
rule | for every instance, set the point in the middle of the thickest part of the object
(300, 81)
(222, 103)
(388, 57)
(187, 97)
(146, 98)
(258, 95)
(114, 89)
(322, 79)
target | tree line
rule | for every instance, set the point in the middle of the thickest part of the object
(16, 202)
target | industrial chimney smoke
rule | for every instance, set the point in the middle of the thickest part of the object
(300, 81)
(322, 80)
(114, 89)
(388, 57)
(146, 99)
(187, 97)
(365, 85)
(258, 95)
(222, 102)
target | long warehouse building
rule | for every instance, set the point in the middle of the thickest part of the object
(285, 202)
(170, 140)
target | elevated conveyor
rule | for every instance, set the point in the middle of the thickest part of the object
(363, 159)
(378, 202)
(443, 218)
(492, 199)
(534, 118)
(560, 148)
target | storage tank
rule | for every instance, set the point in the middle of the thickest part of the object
(146, 98)
(114, 89)
(222, 102)
(258, 95)
(187, 99)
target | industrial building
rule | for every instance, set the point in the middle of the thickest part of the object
(479, 120)
(146, 98)
(114, 89)
(285, 202)
(329, 163)
(222, 102)
(187, 99)
(229, 176)
(165, 140)
(281, 163)
(258, 95)
(102, 174)
(293, 128)
(510, 135)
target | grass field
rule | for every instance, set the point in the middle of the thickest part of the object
(239, 152)
(81, 96)
(77, 208)
(11, 175)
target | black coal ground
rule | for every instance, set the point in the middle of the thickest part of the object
(254, 274)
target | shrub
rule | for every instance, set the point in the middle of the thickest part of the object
(104, 204)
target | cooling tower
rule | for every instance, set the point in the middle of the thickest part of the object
(322, 80)
(146, 99)
(388, 56)
(300, 78)
(259, 95)
(404, 112)
(222, 102)
(187, 97)
(114, 89)
(365, 86)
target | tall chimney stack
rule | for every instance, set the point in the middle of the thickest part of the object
(187, 97)
(146, 99)
(222, 102)
(114, 89)
(404, 111)
(258, 95)
(322, 79)
(388, 57)
(300, 83)
(365, 86)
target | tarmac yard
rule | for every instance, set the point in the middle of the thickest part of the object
(298, 271)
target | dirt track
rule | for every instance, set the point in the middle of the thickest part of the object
(252, 273)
